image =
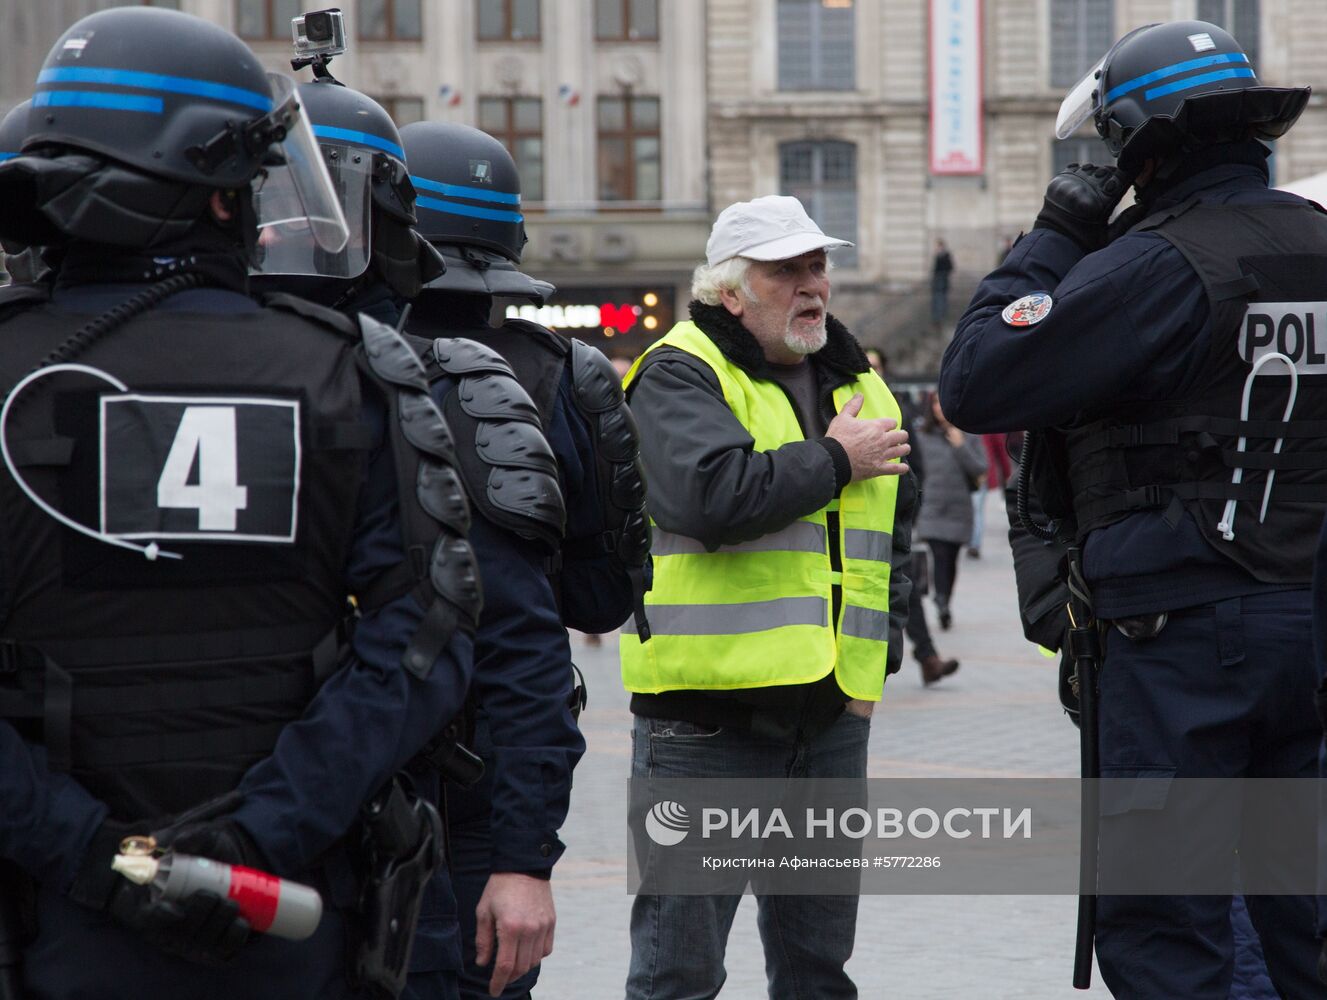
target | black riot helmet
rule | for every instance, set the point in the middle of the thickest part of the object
(140, 111)
(469, 191)
(469, 207)
(362, 150)
(1164, 88)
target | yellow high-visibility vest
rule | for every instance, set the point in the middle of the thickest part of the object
(756, 614)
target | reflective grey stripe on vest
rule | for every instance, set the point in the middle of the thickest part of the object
(863, 623)
(734, 619)
(859, 543)
(800, 536)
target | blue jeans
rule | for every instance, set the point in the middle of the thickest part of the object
(678, 942)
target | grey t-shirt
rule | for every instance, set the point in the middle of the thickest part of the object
(801, 383)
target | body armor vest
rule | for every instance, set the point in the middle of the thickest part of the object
(538, 357)
(236, 443)
(1245, 452)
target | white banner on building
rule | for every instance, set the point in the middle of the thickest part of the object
(956, 87)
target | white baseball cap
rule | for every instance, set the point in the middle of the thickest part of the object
(775, 227)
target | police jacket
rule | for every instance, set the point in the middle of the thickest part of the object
(307, 778)
(523, 674)
(1129, 328)
(733, 493)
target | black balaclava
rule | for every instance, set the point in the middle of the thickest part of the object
(1177, 169)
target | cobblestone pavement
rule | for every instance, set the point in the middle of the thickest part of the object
(998, 717)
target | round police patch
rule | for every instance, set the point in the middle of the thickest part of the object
(1028, 311)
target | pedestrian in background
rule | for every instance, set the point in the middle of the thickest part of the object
(955, 463)
(942, 266)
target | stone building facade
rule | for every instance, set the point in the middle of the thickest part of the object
(1032, 52)
(634, 120)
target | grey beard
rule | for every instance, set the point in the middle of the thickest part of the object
(799, 346)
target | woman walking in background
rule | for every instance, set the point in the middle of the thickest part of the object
(955, 463)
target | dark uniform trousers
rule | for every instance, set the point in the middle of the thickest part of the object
(1218, 693)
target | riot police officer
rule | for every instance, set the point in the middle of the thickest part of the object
(1142, 342)
(469, 208)
(194, 484)
(522, 657)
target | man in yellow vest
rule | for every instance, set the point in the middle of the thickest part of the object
(771, 451)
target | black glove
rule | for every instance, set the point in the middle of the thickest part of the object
(218, 839)
(203, 928)
(1079, 201)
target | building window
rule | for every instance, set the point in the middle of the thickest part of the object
(518, 123)
(1080, 149)
(390, 20)
(508, 20)
(404, 110)
(629, 149)
(265, 20)
(823, 177)
(1239, 17)
(816, 50)
(1082, 31)
(626, 20)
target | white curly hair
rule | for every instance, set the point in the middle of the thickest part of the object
(709, 280)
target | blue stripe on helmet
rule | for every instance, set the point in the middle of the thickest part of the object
(157, 81)
(7, 156)
(1195, 81)
(362, 138)
(455, 208)
(97, 99)
(465, 191)
(1172, 70)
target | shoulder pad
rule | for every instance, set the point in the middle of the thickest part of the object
(454, 573)
(540, 334)
(535, 496)
(595, 380)
(321, 315)
(433, 506)
(462, 356)
(389, 356)
(618, 438)
(507, 465)
(514, 443)
(496, 397)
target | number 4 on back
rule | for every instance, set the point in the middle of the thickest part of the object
(206, 434)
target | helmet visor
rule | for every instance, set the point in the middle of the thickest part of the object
(288, 239)
(1079, 103)
(302, 225)
(1084, 97)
